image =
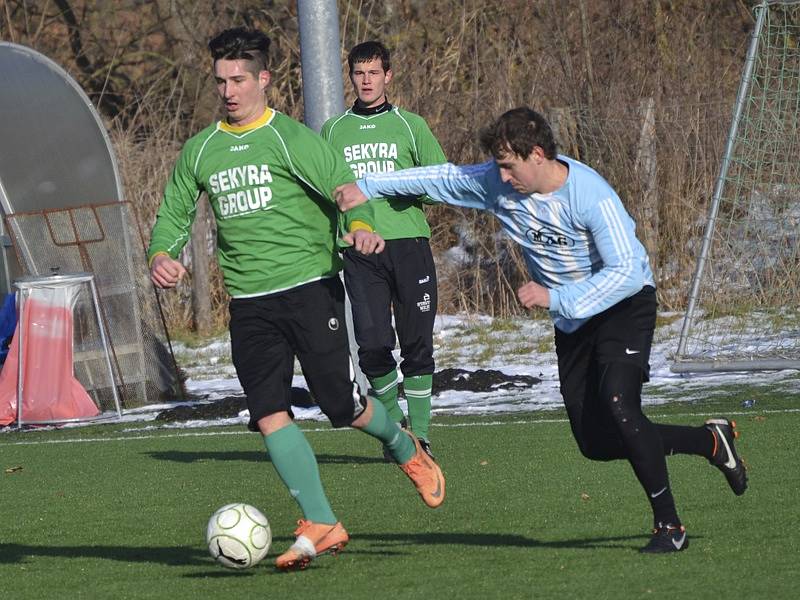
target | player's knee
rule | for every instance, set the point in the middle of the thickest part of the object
(418, 362)
(621, 391)
(596, 450)
(419, 367)
(344, 415)
(375, 362)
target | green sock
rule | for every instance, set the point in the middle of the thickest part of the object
(382, 427)
(296, 464)
(418, 396)
(385, 390)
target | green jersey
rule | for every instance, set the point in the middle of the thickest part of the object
(270, 185)
(388, 140)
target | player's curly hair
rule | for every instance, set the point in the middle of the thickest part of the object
(242, 43)
(367, 51)
(518, 131)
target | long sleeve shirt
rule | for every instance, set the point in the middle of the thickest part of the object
(578, 241)
(385, 141)
(270, 187)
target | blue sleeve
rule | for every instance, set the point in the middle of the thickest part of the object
(469, 186)
(622, 258)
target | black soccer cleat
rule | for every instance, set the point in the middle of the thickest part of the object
(667, 538)
(426, 448)
(724, 456)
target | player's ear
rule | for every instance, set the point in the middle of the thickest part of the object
(387, 76)
(264, 79)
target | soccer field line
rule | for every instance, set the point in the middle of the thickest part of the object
(328, 429)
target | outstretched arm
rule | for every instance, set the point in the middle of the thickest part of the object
(470, 186)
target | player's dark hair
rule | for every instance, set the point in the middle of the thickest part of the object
(242, 43)
(367, 51)
(518, 131)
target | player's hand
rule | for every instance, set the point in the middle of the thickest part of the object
(365, 242)
(532, 294)
(166, 272)
(348, 196)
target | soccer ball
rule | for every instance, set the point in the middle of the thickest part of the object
(238, 536)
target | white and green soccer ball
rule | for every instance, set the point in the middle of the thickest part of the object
(238, 536)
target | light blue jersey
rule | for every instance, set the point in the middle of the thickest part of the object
(579, 241)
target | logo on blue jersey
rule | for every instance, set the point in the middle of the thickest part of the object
(545, 235)
(548, 237)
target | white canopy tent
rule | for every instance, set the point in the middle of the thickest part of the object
(63, 212)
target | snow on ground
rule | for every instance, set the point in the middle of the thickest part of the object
(521, 346)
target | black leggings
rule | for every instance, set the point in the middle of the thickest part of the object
(602, 367)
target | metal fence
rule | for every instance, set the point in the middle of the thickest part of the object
(105, 240)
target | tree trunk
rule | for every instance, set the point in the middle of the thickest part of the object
(645, 167)
(201, 282)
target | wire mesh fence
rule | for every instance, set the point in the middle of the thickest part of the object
(105, 240)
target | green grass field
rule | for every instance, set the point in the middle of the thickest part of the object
(120, 512)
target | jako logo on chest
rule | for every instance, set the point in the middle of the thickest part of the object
(239, 147)
(367, 126)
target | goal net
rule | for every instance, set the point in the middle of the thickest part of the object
(742, 312)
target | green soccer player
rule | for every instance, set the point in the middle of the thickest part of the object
(269, 182)
(376, 137)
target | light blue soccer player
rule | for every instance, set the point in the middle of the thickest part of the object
(591, 272)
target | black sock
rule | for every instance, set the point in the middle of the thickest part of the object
(663, 506)
(621, 387)
(680, 439)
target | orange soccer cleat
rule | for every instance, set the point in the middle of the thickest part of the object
(313, 539)
(426, 475)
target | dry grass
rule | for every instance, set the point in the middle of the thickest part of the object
(459, 63)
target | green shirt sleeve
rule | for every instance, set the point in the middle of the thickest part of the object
(315, 162)
(321, 167)
(428, 148)
(175, 216)
(364, 213)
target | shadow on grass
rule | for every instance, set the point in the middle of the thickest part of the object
(256, 456)
(172, 556)
(378, 544)
(499, 540)
(222, 573)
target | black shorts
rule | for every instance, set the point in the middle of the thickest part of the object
(622, 333)
(399, 281)
(267, 332)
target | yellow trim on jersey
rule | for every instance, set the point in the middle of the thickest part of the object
(152, 258)
(356, 225)
(262, 120)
